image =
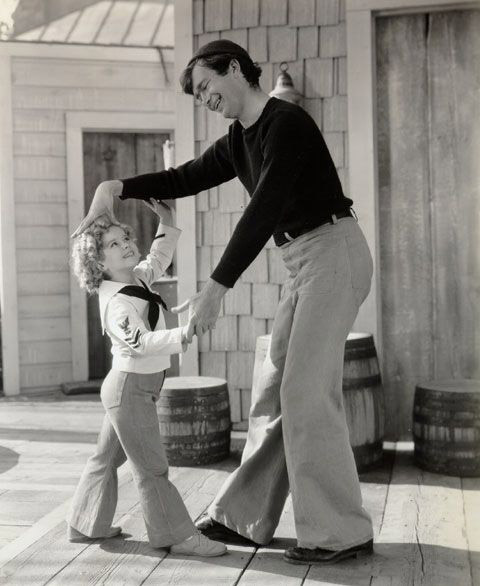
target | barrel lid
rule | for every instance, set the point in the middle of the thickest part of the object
(199, 385)
(451, 386)
(358, 335)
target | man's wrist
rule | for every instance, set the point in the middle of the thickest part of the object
(214, 289)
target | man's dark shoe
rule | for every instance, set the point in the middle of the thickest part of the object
(218, 532)
(321, 557)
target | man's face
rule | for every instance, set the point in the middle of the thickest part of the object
(219, 93)
(119, 251)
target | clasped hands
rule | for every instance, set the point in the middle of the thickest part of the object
(203, 307)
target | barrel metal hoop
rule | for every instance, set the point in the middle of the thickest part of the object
(350, 384)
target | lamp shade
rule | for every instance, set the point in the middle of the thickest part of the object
(284, 88)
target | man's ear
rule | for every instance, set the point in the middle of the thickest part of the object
(235, 67)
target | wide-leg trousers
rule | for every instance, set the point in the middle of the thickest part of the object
(298, 437)
(130, 431)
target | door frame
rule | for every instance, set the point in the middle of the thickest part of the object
(362, 116)
(76, 124)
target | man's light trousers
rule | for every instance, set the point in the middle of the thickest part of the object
(298, 437)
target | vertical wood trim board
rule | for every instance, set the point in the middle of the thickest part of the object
(184, 151)
(8, 264)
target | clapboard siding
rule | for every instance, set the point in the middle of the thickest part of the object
(310, 36)
(31, 306)
(39, 329)
(43, 283)
(41, 236)
(45, 352)
(44, 90)
(46, 191)
(60, 73)
(50, 144)
(79, 98)
(41, 214)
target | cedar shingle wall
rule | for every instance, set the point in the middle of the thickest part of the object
(310, 35)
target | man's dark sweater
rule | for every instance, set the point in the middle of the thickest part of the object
(283, 162)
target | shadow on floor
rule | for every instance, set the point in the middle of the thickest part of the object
(8, 459)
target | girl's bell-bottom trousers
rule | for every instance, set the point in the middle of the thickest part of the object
(130, 431)
(298, 437)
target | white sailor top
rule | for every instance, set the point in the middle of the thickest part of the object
(135, 348)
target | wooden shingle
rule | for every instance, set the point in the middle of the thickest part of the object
(307, 42)
(257, 272)
(221, 228)
(245, 13)
(224, 336)
(333, 41)
(218, 15)
(273, 12)
(335, 113)
(328, 12)
(238, 300)
(282, 43)
(334, 142)
(318, 77)
(249, 328)
(277, 273)
(239, 36)
(257, 43)
(213, 364)
(204, 262)
(301, 12)
(197, 17)
(231, 198)
(240, 369)
(314, 107)
(265, 300)
(341, 76)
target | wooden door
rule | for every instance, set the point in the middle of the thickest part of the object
(428, 101)
(117, 155)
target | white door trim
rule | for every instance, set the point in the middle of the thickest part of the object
(361, 83)
(8, 253)
(76, 124)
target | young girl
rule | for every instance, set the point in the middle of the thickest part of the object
(106, 261)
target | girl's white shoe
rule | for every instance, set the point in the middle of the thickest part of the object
(198, 544)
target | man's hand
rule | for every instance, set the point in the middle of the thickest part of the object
(163, 211)
(102, 204)
(203, 307)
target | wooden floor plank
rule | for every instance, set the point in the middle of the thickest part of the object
(471, 500)
(130, 560)
(422, 540)
(359, 572)
(268, 566)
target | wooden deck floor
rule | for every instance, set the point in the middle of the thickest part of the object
(427, 526)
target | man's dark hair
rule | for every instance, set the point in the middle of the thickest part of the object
(219, 63)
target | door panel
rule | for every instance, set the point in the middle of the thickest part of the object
(117, 155)
(427, 102)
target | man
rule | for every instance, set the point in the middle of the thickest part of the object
(298, 437)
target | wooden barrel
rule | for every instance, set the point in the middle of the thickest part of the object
(363, 400)
(446, 427)
(194, 416)
(362, 396)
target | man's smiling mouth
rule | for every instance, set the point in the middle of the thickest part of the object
(215, 102)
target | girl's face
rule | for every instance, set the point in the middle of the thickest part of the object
(120, 253)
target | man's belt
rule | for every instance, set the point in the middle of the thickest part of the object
(284, 237)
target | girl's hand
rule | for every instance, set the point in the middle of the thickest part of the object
(163, 211)
(102, 204)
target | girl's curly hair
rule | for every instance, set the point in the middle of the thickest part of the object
(87, 253)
